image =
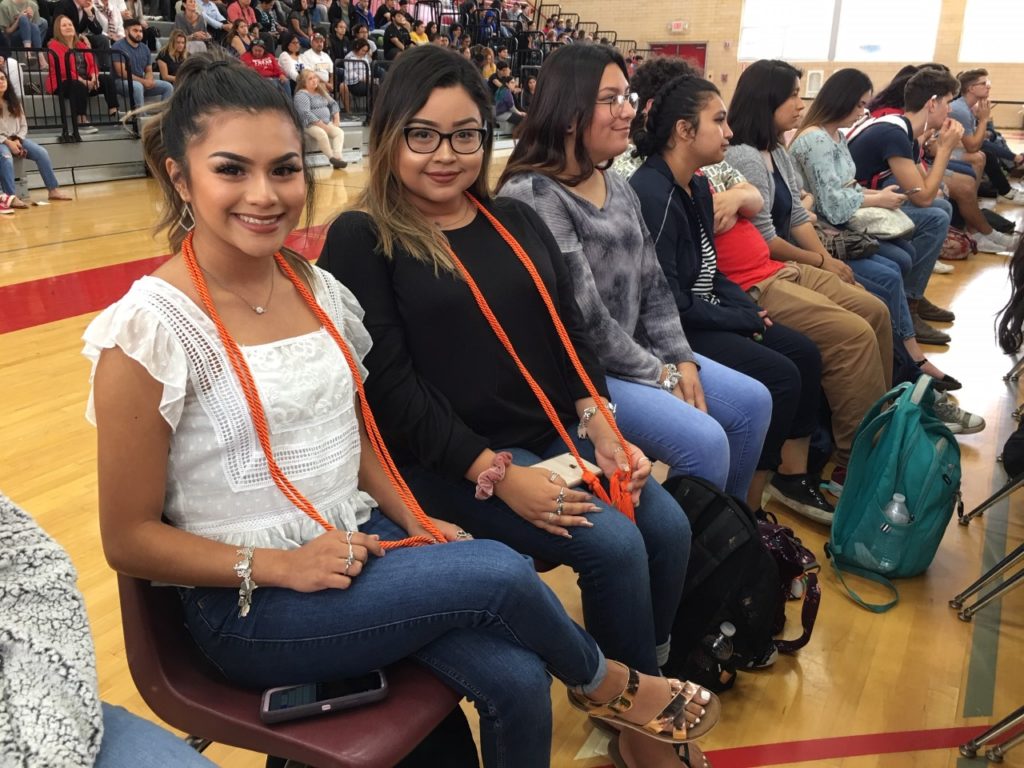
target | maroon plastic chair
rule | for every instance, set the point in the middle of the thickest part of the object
(188, 693)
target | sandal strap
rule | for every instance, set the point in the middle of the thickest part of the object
(670, 714)
(624, 701)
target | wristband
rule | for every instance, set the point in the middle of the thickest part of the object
(493, 475)
(588, 414)
(243, 570)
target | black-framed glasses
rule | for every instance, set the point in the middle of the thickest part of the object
(617, 102)
(464, 141)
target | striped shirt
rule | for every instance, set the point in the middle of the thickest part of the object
(703, 286)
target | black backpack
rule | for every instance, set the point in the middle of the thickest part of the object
(741, 572)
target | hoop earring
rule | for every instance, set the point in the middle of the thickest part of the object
(186, 220)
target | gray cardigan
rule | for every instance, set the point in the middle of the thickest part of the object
(749, 161)
(628, 309)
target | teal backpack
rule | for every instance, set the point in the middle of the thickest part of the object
(900, 447)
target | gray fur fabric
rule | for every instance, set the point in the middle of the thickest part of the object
(49, 703)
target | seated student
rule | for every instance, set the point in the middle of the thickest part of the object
(396, 36)
(357, 72)
(50, 704)
(139, 69)
(288, 59)
(685, 129)
(85, 20)
(14, 142)
(271, 23)
(77, 77)
(300, 23)
(241, 9)
(697, 416)
(194, 25)
(318, 60)
(444, 387)
(359, 13)
(382, 17)
(362, 32)
(417, 32)
(320, 117)
(821, 152)
(10, 66)
(311, 511)
(172, 56)
(505, 109)
(266, 66)
(972, 110)
(339, 44)
(237, 39)
(215, 20)
(21, 22)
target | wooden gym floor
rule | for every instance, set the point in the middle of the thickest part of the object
(896, 690)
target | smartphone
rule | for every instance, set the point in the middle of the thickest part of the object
(566, 466)
(291, 702)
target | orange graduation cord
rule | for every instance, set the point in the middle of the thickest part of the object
(619, 482)
(259, 417)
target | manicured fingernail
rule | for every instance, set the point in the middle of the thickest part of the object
(567, 535)
(587, 524)
(594, 508)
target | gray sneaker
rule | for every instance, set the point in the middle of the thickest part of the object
(926, 334)
(959, 421)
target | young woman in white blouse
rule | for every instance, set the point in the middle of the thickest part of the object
(233, 454)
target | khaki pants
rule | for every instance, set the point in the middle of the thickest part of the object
(331, 141)
(852, 330)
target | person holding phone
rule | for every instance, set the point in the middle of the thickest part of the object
(238, 458)
(465, 423)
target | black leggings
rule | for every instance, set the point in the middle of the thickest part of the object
(787, 363)
(78, 94)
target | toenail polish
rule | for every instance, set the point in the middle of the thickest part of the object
(697, 721)
(703, 712)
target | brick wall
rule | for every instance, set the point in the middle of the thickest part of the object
(717, 22)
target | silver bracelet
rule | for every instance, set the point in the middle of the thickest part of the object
(243, 570)
(671, 378)
(588, 414)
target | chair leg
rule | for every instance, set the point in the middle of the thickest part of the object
(1011, 485)
(1014, 373)
(1007, 562)
(967, 613)
(996, 753)
(1008, 723)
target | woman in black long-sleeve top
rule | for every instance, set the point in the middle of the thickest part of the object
(447, 394)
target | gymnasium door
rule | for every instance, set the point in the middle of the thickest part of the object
(695, 54)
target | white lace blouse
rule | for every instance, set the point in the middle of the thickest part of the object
(218, 483)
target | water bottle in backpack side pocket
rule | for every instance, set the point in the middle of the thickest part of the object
(889, 548)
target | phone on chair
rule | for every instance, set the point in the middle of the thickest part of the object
(290, 702)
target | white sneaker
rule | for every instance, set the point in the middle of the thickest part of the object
(942, 268)
(1013, 197)
(959, 421)
(988, 243)
(1009, 239)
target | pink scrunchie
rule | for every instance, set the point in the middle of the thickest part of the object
(492, 475)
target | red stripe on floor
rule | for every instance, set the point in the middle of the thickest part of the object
(36, 302)
(790, 752)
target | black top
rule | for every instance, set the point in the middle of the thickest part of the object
(782, 205)
(171, 63)
(83, 24)
(396, 30)
(674, 219)
(382, 16)
(442, 387)
(339, 46)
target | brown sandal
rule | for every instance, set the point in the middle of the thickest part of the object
(665, 726)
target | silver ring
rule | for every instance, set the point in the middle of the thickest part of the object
(348, 537)
(553, 477)
(461, 534)
(552, 516)
(561, 495)
(558, 509)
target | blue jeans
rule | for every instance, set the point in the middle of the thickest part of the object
(36, 154)
(161, 91)
(722, 446)
(630, 576)
(30, 31)
(931, 225)
(318, 14)
(475, 613)
(131, 742)
(882, 278)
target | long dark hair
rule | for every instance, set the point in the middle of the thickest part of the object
(649, 78)
(763, 87)
(837, 98)
(564, 102)
(681, 99)
(410, 82)
(206, 86)
(891, 97)
(1010, 322)
(12, 104)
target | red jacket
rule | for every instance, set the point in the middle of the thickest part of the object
(61, 71)
(266, 65)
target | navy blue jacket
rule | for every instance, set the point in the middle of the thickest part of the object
(671, 216)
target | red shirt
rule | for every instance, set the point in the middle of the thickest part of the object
(235, 12)
(743, 255)
(61, 72)
(266, 65)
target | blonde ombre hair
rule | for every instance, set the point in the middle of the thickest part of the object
(411, 80)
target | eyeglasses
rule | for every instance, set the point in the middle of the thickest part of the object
(464, 141)
(983, 83)
(617, 102)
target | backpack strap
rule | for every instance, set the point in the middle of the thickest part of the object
(808, 614)
(855, 571)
